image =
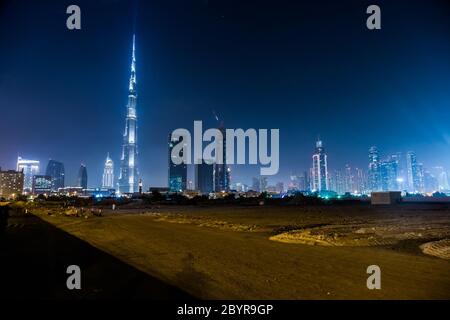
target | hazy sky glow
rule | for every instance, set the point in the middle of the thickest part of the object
(305, 67)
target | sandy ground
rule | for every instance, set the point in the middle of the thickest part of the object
(279, 252)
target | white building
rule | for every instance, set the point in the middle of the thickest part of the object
(30, 168)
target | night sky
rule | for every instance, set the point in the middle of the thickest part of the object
(308, 68)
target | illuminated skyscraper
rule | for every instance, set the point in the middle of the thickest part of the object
(319, 168)
(108, 173)
(29, 168)
(414, 183)
(129, 175)
(374, 170)
(177, 172)
(55, 170)
(82, 177)
(221, 170)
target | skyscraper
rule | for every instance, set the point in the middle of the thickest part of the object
(414, 184)
(388, 175)
(221, 170)
(177, 172)
(374, 170)
(82, 177)
(204, 177)
(108, 173)
(29, 168)
(319, 168)
(55, 170)
(129, 175)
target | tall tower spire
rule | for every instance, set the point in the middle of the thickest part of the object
(129, 175)
(132, 86)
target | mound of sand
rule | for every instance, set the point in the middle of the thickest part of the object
(440, 249)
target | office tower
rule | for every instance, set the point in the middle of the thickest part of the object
(262, 184)
(319, 168)
(388, 175)
(442, 178)
(177, 172)
(256, 185)
(29, 168)
(374, 170)
(430, 182)
(421, 173)
(204, 177)
(294, 183)
(222, 171)
(402, 175)
(349, 179)
(11, 183)
(129, 175)
(82, 177)
(108, 173)
(414, 183)
(360, 181)
(42, 184)
(55, 170)
(337, 182)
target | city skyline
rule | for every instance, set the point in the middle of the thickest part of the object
(177, 79)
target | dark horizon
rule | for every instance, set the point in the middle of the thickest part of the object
(307, 68)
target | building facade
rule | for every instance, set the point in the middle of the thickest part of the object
(11, 183)
(177, 172)
(82, 177)
(29, 169)
(319, 168)
(55, 170)
(108, 174)
(204, 177)
(42, 184)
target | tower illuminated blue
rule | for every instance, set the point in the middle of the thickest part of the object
(129, 174)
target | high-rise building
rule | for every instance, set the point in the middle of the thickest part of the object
(129, 175)
(11, 183)
(442, 178)
(82, 177)
(414, 183)
(349, 179)
(430, 182)
(55, 170)
(29, 168)
(337, 182)
(401, 170)
(263, 184)
(177, 172)
(388, 175)
(204, 177)
(256, 185)
(319, 168)
(360, 181)
(221, 170)
(42, 184)
(108, 173)
(374, 170)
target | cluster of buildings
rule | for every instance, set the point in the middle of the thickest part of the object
(27, 179)
(396, 172)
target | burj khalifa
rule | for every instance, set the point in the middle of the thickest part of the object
(129, 174)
